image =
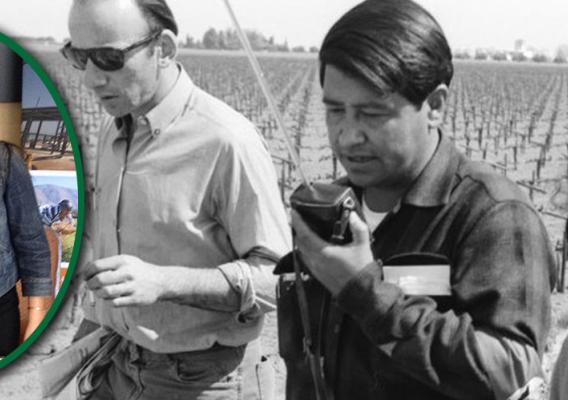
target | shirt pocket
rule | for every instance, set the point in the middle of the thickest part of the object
(422, 274)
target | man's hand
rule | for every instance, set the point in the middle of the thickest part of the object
(125, 280)
(333, 265)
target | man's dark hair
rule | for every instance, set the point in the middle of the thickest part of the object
(158, 14)
(392, 45)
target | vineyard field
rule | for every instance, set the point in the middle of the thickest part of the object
(512, 116)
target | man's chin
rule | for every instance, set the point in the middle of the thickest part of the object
(360, 180)
(115, 113)
(114, 109)
(367, 181)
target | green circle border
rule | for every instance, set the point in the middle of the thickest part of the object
(38, 69)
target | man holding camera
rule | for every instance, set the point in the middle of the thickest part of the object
(186, 217)
(444, 291)
(58, 216)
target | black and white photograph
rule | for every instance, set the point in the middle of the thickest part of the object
(304, 199)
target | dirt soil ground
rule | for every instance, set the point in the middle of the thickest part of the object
(44, 161)
(20, 380)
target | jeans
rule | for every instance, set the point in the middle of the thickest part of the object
(221, 372)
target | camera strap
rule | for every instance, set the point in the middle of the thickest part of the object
(311, 345)
(335, 318)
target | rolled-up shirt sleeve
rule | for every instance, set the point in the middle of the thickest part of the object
(26, 231)
(250, 209)
(249, 279)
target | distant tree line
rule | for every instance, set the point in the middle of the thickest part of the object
(228, 40)
(38, 40)
(561, 56)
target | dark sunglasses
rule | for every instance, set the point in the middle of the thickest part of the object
(105, 58)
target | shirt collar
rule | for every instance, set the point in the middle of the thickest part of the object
(436, 181)
(434, 184)
(166, 111)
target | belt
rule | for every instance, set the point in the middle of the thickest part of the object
(249, 352)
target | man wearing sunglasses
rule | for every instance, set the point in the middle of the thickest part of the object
(186, 222)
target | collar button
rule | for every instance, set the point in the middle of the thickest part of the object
(142, 121)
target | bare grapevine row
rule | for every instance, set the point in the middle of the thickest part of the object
(514, 117)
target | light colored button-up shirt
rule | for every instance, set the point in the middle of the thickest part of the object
(194, 187)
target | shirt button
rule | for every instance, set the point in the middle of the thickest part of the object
(142, 121)
(156, 132)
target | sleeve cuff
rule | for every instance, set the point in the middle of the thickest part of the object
(37, 286)
(239, 277)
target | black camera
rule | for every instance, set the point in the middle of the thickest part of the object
(326, 207)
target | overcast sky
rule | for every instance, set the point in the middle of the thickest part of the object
(543, 24)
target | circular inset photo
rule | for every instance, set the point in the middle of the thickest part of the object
(41, 200)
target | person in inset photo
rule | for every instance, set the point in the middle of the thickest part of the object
(58, 216)
(444, 292)
(24, 252)
(57, 220)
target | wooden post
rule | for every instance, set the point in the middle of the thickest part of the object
(532, 184)
(334, 163)
(37, 134)
(64, 139)
(562, 270)
(282, 179)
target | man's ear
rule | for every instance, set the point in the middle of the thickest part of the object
(437, 101)
(167, 45)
